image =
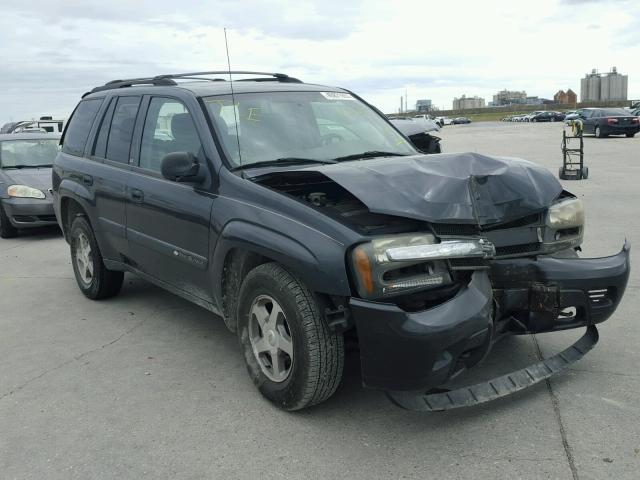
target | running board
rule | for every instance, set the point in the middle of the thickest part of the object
(500, 386)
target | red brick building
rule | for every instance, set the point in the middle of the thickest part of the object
(569, 97)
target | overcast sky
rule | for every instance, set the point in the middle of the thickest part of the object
(53, 51)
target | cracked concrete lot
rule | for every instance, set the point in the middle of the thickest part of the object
(146, 385)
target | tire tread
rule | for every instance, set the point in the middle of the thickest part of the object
(326, 348)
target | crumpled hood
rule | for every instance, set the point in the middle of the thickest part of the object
(448, 188)
(39, 178)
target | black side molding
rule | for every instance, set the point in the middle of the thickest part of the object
(500, 386)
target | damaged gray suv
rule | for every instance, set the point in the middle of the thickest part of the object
(300, 215)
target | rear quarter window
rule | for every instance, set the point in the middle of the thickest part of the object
(75, 138)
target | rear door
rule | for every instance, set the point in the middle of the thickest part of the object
(110, 150)
(168, 222)
(590, 120)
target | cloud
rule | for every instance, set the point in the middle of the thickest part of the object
(53, 52)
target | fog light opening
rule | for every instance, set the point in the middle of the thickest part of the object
(567, 313)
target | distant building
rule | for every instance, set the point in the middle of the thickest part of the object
(566, 98)
(596, 87)
(508, 97)
(424, 106)
(467, 103)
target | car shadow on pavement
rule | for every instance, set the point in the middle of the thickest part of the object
(508, 355)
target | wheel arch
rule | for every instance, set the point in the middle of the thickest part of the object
(244, 246)
(71, 207)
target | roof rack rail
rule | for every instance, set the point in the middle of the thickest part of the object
(280, 77)
(168, 79)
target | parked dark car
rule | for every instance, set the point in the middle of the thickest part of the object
(603, 122)
(548, 117)
(460, 120)
(420, 132)
(25, 181)
(301, 236)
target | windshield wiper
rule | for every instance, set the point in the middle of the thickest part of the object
(283, 161)
(370, 154)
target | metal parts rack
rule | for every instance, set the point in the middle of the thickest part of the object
(573, 158)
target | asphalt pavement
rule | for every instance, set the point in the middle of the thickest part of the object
(147, 385)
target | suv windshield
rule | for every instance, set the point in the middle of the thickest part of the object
(28, 153)
(312, 126)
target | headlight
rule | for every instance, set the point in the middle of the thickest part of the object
(565, 225)
(567, 213)
(400, 264)
(22, 191)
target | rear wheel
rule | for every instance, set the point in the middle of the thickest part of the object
(290, 353)
(6, 229)
(94, 279)
(630, 135)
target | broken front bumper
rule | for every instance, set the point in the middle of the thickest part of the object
(419, 351)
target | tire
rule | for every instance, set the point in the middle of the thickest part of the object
(585, 173)
(6, 229)
(94, 279)
(553, 119)
(312, 370)
(561, 174)
(630, 135)
(598, 133)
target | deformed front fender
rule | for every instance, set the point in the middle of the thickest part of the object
(313, 257)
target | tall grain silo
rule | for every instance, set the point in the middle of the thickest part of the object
(584, 89)
(590, 87)
(613, 86)
(594, 87)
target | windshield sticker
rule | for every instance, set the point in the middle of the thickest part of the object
(337, 96)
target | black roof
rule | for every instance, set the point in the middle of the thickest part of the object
(216, 83)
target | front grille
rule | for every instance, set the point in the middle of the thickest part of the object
(445, 229)
(535, 218)
(525, 248)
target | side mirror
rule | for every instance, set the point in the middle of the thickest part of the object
(181, 167)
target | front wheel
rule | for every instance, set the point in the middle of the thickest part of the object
(291, 355)
(94, 279)
(630, 135)
(598, 133)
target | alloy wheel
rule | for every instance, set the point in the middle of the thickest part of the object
(270, 338)
(84, 258)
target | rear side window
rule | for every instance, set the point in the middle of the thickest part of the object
(100, 147)
(75, 138)
(121, 131)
